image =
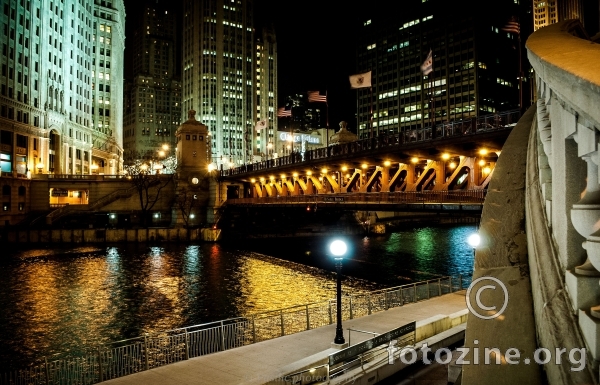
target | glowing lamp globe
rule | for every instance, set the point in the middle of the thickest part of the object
(338, 248)
(474, 240)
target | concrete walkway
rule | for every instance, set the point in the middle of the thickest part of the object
(258, 363)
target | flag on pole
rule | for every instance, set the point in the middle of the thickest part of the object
(427, 66)
(512, 26)
(282, 112)
(360, 80)
(261, 124)
(315, 96)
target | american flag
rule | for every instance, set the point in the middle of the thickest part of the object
(315, 96)
(283, 113)
(512, 26)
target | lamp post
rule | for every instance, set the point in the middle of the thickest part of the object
(338, 248)
(474, 240)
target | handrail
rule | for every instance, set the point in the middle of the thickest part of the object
(115, 359)
(428, 196)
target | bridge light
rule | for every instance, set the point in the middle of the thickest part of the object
(364, 165)
(452, 165)
(324, 170)
(272, 177)
(295, 175)
(483, 151)
(262, 179)
(211, 167)
(486, 170)
(482, 162)
(387, 163)
(347, 176)
(445, 156)
(321, 178)
(282, 176)
(415, 160)
(344, 168)
(309, 173)
(252, 180)
(307, 208)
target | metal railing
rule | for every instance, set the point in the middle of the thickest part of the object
(134, 355)
(488, 123)
(400, 197)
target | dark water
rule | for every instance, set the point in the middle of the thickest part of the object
(65, 299)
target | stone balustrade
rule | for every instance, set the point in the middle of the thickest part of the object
(563, 197)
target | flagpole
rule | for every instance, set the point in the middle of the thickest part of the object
(327, 117)
(520, 75)
(371, 111)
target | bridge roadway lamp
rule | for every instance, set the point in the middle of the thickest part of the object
(338, 248)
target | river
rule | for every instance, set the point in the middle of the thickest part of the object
(64, 299)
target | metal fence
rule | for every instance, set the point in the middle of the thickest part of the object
(134, 355)
(400, 197)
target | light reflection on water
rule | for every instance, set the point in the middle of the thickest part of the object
(56, 300)
(59, 299)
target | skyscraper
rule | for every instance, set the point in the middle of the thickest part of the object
(546, 12)
(475, 64)
(61, 86)
(218, 79)
(266, 91)
(153, 97)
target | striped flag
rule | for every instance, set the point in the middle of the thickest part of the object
(512, 27)
(315, 96)
(282, 112)
(427, 66)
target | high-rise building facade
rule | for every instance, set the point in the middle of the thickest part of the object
(219, 78)
(546, 12)
(153, 97)
(61, 86)
(475, 64)
(266, 91)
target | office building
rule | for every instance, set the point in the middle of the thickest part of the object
(219, 77)
(61, 86)
(475, 64)
(266, 92)
(153, 96)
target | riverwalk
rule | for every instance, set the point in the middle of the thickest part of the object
(263, 361)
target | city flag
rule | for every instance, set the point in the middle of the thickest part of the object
(512, 26)
(315, 96)
(282, 112)
(427, 66)
(261, 124)
(360, 80)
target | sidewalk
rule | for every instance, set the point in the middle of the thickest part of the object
(258, 363)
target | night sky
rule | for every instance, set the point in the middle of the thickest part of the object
(315, 49)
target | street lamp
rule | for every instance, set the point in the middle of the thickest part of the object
(338, 248)
(474, 240)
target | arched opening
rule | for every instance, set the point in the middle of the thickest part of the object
(461, 181)
(53, 151)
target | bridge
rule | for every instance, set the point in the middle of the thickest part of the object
(461, 156)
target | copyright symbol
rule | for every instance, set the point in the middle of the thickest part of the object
(480, 305)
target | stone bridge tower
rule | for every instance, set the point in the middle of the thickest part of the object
(193, 174)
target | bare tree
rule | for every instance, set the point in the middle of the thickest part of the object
(149, 182)
(186, 202)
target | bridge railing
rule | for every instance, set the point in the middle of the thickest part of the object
(149, 351)
(493, 122)
(562, 195)
(401, 197)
